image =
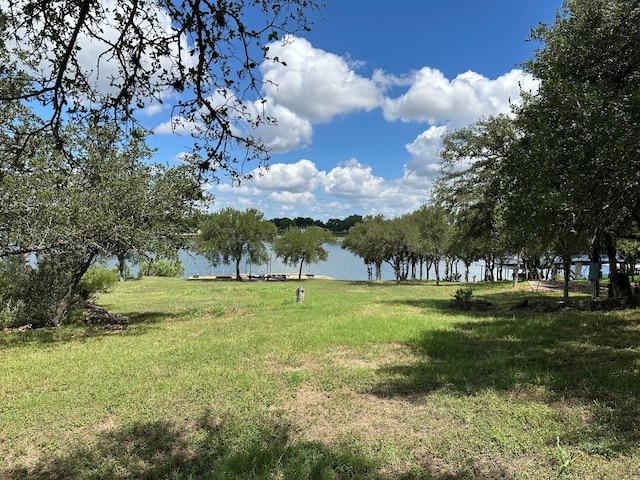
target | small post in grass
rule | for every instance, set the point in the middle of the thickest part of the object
(299, 294)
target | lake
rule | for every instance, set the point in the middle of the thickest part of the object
(341, 265)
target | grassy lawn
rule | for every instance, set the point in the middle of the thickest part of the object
(228, 380)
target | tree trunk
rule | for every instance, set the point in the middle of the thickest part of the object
(25, 265)
(618, 282)
(238, 277)
(378, 271)
(65, 301)
(489, 265)
(122, 266)
(516, 270)
(566, 264)
(300, 270)
(593, 276)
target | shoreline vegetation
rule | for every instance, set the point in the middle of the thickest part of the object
(362, 380)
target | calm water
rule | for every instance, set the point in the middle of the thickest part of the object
(341, 265)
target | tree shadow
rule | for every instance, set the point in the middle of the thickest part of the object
(214, 448)
(209, 448)
(501, 302)
(583, 358)
(80, 332)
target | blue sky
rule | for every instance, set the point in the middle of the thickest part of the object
(366, 96)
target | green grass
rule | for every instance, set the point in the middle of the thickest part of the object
(228, 380)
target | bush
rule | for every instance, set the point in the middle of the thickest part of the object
(12, 313)
(97, 279)
(161, 268)
(30, 295)
(462, 298)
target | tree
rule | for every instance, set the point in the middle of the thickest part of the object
(474, 186)
(337, 225)
(580, 129)
(365, 240)
(157, 195)
(299, 245)
(230, 235)
(102, 200)
(396, 245)
(202, 56)
(436, 232)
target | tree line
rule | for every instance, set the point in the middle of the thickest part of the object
(559, 176)
(335, 225)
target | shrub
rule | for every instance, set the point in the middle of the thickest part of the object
(462, 298)
(161, 268)
(12, 313)
(97, 279)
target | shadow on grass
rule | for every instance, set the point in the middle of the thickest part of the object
(214, 448)
(582, 358)
(209, 448)
(79, 332)
(501, 297)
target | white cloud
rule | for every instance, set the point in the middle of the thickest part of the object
(353, 179)
(302, 176)
(177, 126)
(434, 99)
(98, 63)
(289, 132)
(424, 152)
(315, 84)
(304, 198)
(301, 189)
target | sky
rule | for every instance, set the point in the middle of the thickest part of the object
(366, 96)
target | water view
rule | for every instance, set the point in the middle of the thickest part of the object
(341, 265)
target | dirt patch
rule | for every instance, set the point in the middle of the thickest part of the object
(556, 286)
(377, 356)
(328, 415)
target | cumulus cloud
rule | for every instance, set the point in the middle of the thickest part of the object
(302, 176)
(301, 189)
(315, 84)
(353, 179)
(305, 198)
(434, 99)
(424, 152)
(290, 130)
(97, 61)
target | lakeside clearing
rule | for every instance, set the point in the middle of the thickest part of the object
(361, 380)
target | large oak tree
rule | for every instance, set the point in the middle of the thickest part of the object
(104, 200)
